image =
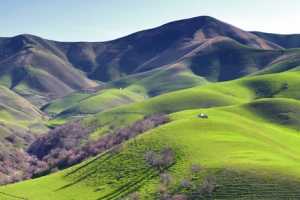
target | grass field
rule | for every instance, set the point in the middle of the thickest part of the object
(250, 142)
(233, 142)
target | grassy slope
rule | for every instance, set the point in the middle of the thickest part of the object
(234, 136)
(101, 101)
(169, 80)
(220, 59)
(140, 87)
(248, 141)
(17, 114)
(210, 95)
(63, 103)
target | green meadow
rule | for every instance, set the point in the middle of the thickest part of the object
(250, 142)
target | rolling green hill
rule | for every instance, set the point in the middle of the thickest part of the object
(246, 83)
(233, 143)
(249, 142)
(207, 95)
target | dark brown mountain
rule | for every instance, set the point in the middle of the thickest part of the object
(161, 46)
(286, 41)
(32, 66)
(41, 70)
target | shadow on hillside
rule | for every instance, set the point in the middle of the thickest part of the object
(87, 164)
(131, 186)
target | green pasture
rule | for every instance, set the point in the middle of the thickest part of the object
(250, 142)
(234, 142)
(93, 104)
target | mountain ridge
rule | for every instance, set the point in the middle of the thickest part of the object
(27, 61)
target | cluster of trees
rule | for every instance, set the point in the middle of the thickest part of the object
(15, 164)
(65, 137)
(192, 186)
(160, 160)
(63, 146)
(204, 188)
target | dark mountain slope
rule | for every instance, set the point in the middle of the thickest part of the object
(223, 59)
(34, 66)
(17, 115)
(30, 65)
(160, 46)
(286, 41)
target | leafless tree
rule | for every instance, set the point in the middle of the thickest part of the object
(159, 161)
(148, 157)
(208, 185)
(166, 179)
(195, 169)
(186, 183)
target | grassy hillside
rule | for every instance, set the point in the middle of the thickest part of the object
(92, 104)
(216, 60)
(247, 86)
(249, 142)
(233, 143)
(120, 92)
(207, 95)
(216, 95)
(18, 115)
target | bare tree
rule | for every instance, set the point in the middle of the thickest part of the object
(208, 185)
(186, 183)
(148, 157)
(167, 179)
(167, 156)
(159, 161)
(195, 169)
(162, 192)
